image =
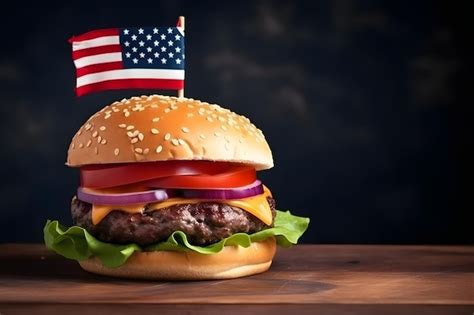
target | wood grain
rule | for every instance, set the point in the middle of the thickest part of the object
(305, 278)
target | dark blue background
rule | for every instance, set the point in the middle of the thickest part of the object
(365, 105)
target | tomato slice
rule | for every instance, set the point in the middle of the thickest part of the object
(229, 179)
(172, 174)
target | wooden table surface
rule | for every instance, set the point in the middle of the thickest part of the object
(308, 279)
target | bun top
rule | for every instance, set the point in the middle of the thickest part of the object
(160, 128)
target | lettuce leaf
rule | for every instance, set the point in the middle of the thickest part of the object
(76, 243)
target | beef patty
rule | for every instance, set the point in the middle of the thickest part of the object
(203, 223)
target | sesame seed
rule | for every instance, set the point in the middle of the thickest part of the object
(102, 128)
(174, 106)
(95, 134)
(107, 116)
(108, 112)
(159, 149)
(155, 119)
(209, 118)
(79, 132)
(126, 114)
(139, 150)
(185, 129)
(73, 145)
(190, 106)
(130, 134)
(88, 126)
(89, 143)
(154, 106)
(130, 127)
(103, 141)
(223, 127)
(116, 151)
(214, 116)
(222, 119)
(134, 140)
(99, 139)
(167, 110)
(141, 136)
(202, 136)
(81, 145)
(167, 136)
(209, 112)
(181, 141)
(146, 151)
(175, 142)
(154, 131)
(190, 115)
(217, 134)
(122, 126)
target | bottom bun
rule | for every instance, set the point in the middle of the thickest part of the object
(232, 262)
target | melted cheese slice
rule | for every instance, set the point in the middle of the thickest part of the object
(256, 205)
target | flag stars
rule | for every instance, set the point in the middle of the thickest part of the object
(150, 47)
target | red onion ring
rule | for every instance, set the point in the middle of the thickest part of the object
(122, 199)
(157, 195)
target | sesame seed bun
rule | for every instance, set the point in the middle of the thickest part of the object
(231, 262)
(160, 128)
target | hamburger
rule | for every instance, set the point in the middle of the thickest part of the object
(168, 190)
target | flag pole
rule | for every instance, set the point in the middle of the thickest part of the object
(181, 24)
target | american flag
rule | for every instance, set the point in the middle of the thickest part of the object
(129, 58)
